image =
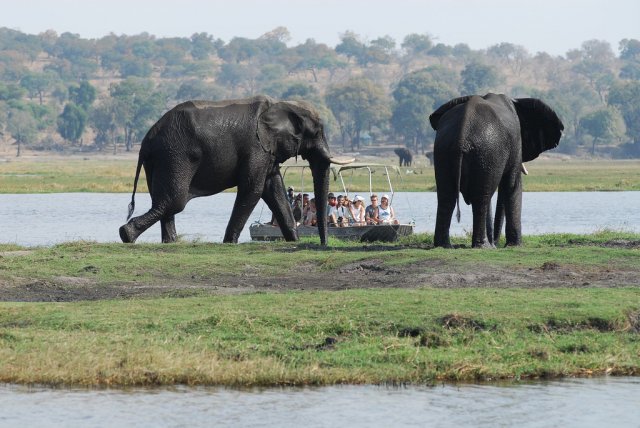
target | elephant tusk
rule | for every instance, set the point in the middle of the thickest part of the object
(524, 169)
(342, 160)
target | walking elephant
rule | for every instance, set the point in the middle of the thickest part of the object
(480, 145)
(405, 156)
(200, 148)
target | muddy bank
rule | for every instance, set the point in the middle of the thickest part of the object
(371, 273)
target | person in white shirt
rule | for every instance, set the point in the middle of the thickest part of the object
(385, 211)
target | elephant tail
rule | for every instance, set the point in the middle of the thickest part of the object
(458, 180)
(132, 204)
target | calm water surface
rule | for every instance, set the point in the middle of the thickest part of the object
(53, 218)
(603, 402)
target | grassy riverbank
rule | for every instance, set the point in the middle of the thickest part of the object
(60, 175)
(283, 314)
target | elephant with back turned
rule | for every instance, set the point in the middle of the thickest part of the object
(404, 155)
(480, 145)
(200, 148)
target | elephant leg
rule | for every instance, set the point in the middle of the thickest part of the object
(489, 225)
(168, 229)
(499, 219)
(274, 196)
(249, 192)
(480, 212)
(513, 212)
(167, 200)
(446, 205)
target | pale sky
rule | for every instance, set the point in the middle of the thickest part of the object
(552, 26)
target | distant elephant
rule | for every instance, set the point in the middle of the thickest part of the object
(429, 156)
(480, 145)
(405, 155)
(200, 148)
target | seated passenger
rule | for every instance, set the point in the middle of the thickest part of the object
(310, 218)
(371, 212)
(342, 211)
(386, 215)
(357, 211)
(332, 211)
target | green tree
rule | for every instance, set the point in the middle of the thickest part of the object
(138, 105)
(103, 121)
(37, 84)
(23, 127)
(626, 97)
(357, 105)
(630, 56)
(351, 46)
(600, 125)
(203, 45)
(71, 123)
(196, 89)
(11, 91)
(417, 44)
(82, 95)
(478, 78)
(239, 49)
(416, 97)
(514, 56)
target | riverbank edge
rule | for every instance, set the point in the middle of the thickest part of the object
(379, 336)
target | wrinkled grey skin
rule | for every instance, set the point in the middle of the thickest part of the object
(405, 156)
(480, 145)
(200, 148)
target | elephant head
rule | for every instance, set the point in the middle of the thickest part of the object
(291, 128)
(540, 127)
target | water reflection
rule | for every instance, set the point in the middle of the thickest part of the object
(33, 219)
(580, 402)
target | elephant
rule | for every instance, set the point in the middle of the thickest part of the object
(405, 155)
(200, 148)
(480, 144)
(429, 156)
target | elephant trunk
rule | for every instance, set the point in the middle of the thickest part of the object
(321, 174)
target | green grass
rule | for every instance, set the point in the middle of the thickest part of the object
(96, 175)
(366, 336)
(420, 335)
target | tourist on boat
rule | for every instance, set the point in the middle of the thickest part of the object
(386, 215)
(343, 212)
(371, 212)
(310, 218)
(290, 196)
(357, 211)
(332, 210)
(297, 208)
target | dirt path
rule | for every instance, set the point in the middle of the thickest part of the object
(371, 273)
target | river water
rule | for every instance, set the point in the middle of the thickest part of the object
(601, 402)
(46, 219)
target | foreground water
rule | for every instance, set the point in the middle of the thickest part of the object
(613, 402)
(45, 219)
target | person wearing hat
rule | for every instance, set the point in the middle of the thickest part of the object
(357, 211)
(332, 210)
(385, 211)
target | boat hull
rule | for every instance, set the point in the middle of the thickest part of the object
(383, 233)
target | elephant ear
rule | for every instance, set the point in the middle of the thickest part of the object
(434, 119)
(540, 127)
(280, 126)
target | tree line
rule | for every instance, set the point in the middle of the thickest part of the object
(64, 92)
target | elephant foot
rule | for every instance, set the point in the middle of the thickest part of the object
(484, 244)
(126, 234)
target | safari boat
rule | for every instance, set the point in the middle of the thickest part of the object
(369, 233)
